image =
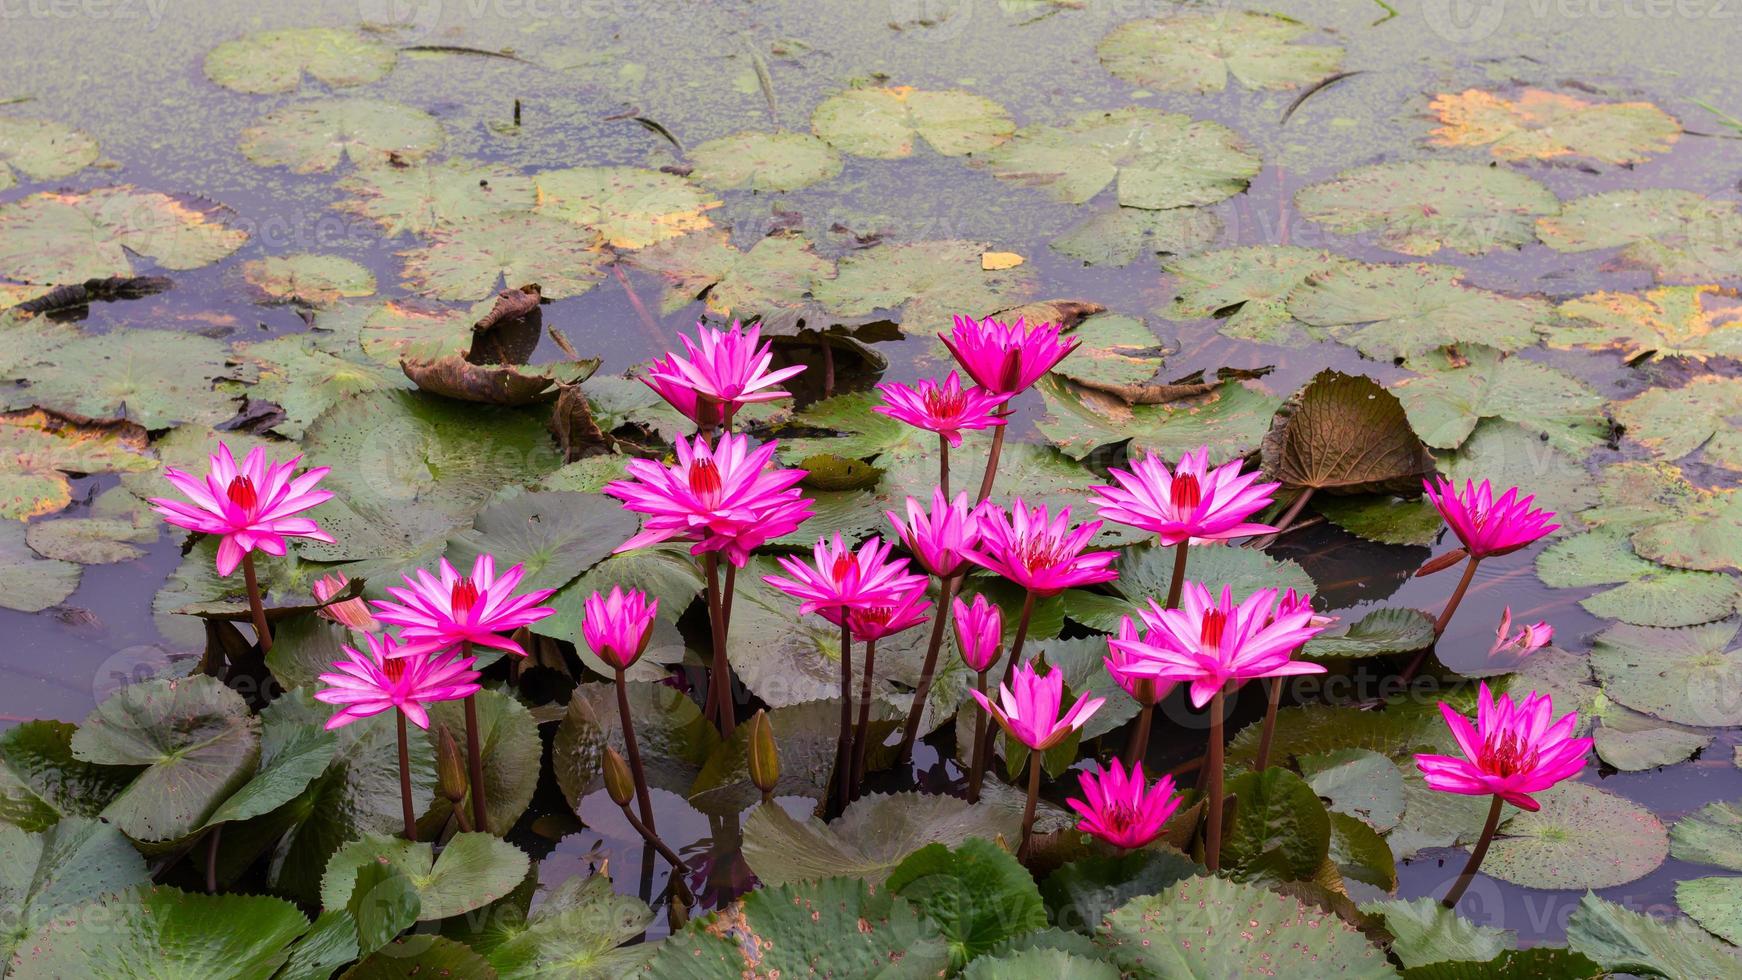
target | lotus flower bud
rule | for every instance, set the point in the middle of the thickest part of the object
(450, 767)
(764, 757)
(618, 782)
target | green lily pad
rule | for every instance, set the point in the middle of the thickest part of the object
(1625, 941)
(472, 871)
(275, 61)
(471, 259)
(1710, 835)
(1313, 439)
(299, 376)
(178, 934)
(1704, 538)
(1715, 903)
(1420, 207)
(1231, 419)
(294, 752)
(555, 534)
(395, 329)
(154, 377)
(29, 583)
(1385, 519)
(885, 122)
(1040, 964)
(313, 137)
(1541, 125)
(512, 752)
(1424, 931)
(1645, 593)
(977, 893)
(40, 149)
(1679, 235)
(1079, 895)
(1688, 676)
(666, 572)
(422, 197)
(582, 929)
(1118, 235)
(1198, 52)
(1671, 321)
(1357, 782)
(772, 281)
(1434, 819)
(1275, 934)
(1359, 853)
(1509, 455)
(89, 540)
(1673, 422)
(421, 956)
(48, 874)
(307, 279)
(928, 281)
(68, 238)
(1157, 159)
(779, 161)
(1582, 837)
(1315, 729)
(1280, 830)
(630, 208)
(1114, 350)
(1389, 311)
(1447, 402)
(1632, 742)
(1379, 633)
(42, 783)
(1247, 288)
(870, 839)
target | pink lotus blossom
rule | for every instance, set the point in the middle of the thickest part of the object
(387, 677)
(1527, 640)
(725, 369)
(1512, 752)
(248, 506)
(726, 498)
(352, 612)
(1006, 358)
(1126, 664)
(946, 409)
(979, 632)
(1191, 503)
(1291, 602)
(1121, 809)
(939, 539)
(1488, 527)
(1028, 708)
(617, 627)
(877, 622)
(1210, 643)
(841, 578)
(440, 613)
(1043, 555)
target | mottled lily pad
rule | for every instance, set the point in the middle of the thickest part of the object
(885, 122)
(1118, 235)
(1583, 837)
(307, 279)
(38, 449)
(1540, 125)
(1710, 835)
(1695, 322)
(1112, 349)
(771, 281)
(1420, 207)
(47, 874)
(1446, 403)
(305, 380)
(1677, 234)
(1706, 537)
(473, 259)
(156, 378)
(420, 198)
(39, 149)
(1715, 903)
(68, 238)
(1247, 288)
(29, 583)
(1632, 742)
(1645, 593)
(275, 61)
(630, 208)
(582, 926)
(1388, 311)
(1690, 676)
(1231, 419)
(312, 137)
(779, 161)
(1156, 159)
(1198, 51)
(928, 281)
(1673, 422)
(1626, 941)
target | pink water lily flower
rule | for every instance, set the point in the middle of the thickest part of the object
(725, 497)
(1210, 642)
(1028, 708)
(877, 622)
(352, 612)
(839, 577)
(618, 626)
(940, 538)
(1127, 664)
(1527, 640)
(440, 612)
(979, 632)
(946, 409)
(1040, 553)
(1486, 526)
(727, 369)
(1513, 750)
(1005, 358)
(1291, 602)
(1120, 809)
(389, 677)
(249, 506)
(1190, 503)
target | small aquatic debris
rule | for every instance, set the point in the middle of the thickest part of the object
(109, 289)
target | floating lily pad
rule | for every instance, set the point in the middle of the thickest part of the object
(1420, 207)
(555, 535)
(885, 122)
(1689, 676)
(42, 783)
(778, 161)
(1388, 311)
(472, 259)
(666, 572)
(307, 279)
(472, 871)
(1276, 934)
(420, 198)
(1677, 234)
(772, 281)
(511, 749)
(294, 752)
(1198, 51)
(313, 137)
(1540, 125)
(675, 740)
(1625, 941)
(1582, 837)
(977, 893)
(1385, 519)
(1710, 835)
(628, 207)
(1118, 235)
(1447, 402)
(1112, 349)
(89, 540)
(275, 61)
(1673, 422)
(582, 928)
(928, 281)
(1632, 742)
(305, 380)
(196, 740)
(48, 874)
(1695, 322)
(1357, 782)
(1424, 931)
(1715, 903)
(1344, 434)
(1040, 964)
(391, 331)
(40, 149)
(1645, 593)
(38, 449)
(1706, 537)
(1247, 288)
(1231, 419)
(1316, 729)
(156, 378)
(1157, 159)
(68, 238)
(1377, 634)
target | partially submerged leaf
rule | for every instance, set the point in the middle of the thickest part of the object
(1696, 322)
(275, 61)
(29, 583)
(38, 449)
(1112, 349)
(313, 137)
(1381, 632)
(1679, 235)
(41, 149)
(1118, 235)
(885, 122)
(1540, 125)
(1673, 422)
(1198, 51)
(307, 279)
(1420, 207)
(772, 281)
(156, 378)
(72, 237)
(1344, 434)
(422, 197)
(1247, 288)
(582, 928)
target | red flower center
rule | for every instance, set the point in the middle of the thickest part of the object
(1185, 492)
(1041, 553)
(843, 565)
(464, 597)
(941, 404)
(1507, 756)
(1119, 816)
(704, 479)
(1210, 630)
(241, 493)
(394, 668)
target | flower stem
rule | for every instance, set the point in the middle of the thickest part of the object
(844, 741)
(1269, 731)
(1457, 596)
(1476, 855)
(255, 608)
(633, 751)
(1178, 585)
(1015, 658)
(721, 681)
(212, 840)
(475, 765)
(991, 474)
(1138, 746)
(1028, 807)
(944, 464)
(862, 737)
(1286, 521)
(922, 691)
(405, 779)
(1213, 809)
(977, 768)
(679, 870)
